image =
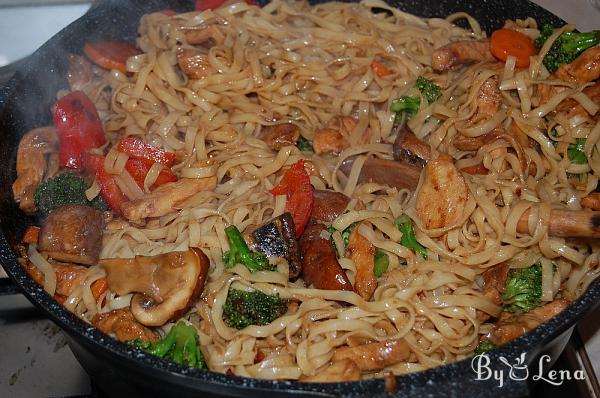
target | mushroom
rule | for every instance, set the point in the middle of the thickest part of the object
(165, 285)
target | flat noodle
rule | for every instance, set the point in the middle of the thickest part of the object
(289, 62)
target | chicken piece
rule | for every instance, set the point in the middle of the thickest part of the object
(165, 198)
(194, 63)
(68, 277)
(443, 194)
(585, 68)
(338, 371)
(328, 205)
(489, 100)
(279, 135)
(572, 108)
(72, 233)
(362, 252)
(320, 266)
(208, 36)
(461, 53)
(592, 201)
(123, 325)
(334, 137)
(32, 164)
(374, 356)
(494, 282)
(511, 326)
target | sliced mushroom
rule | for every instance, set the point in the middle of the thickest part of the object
(386, 172)
(277, 237)
(374, 356)
(328, 205)
(320, 266)
(123, 325)
(73, 233)
(279, 135)
(166, 285)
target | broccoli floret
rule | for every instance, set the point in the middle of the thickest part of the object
(243, 308)
(523, 289)
(405, 225)
(567, 47)
(64, 189)
(181, 345)
(484, 346)
(406, 106)
(382, 262)
(576, 153)
(345, 233)
(304, 144)
(430, 90)
(240, 254)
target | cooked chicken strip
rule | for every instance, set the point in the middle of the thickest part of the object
(123, 325)
(461, 53)
(32, 164)
(338, 371)
(443, 194)
(165, 198)
(512, 326)
(362, 252)
(374, 356)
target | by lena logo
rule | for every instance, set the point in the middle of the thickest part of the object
(518, 370)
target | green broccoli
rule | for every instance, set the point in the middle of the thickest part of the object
(181, 345)
(64, 189)
(406, 106)
(409, 240)
(304, 144)
(484, 345)
(345, 233)
(240, 254)
(523, 289)
(576, 153)
(430, 90)
(243, 308)
(382, 262)
(567, 47)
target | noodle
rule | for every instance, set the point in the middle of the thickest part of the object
(310, 66)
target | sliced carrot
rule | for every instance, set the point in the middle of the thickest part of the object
(110, 54)
(380, 69)
(505, 42)
(99, 287)
(31, 235)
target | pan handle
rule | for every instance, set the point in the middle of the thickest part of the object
(7, 287)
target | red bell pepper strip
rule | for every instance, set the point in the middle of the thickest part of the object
(139, 168)
(202, 5)
(109, 189)
(136, 148)
(79, 128)
(110, 54)
(295, 184)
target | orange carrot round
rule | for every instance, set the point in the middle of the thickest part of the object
(31, 235)
(110, 54)
(380, 69)
(99, 287)
(505, 42)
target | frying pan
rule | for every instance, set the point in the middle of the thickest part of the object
(120, 371)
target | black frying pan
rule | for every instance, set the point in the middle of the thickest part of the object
(120, 371)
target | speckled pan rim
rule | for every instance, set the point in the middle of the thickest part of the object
(531, 342)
